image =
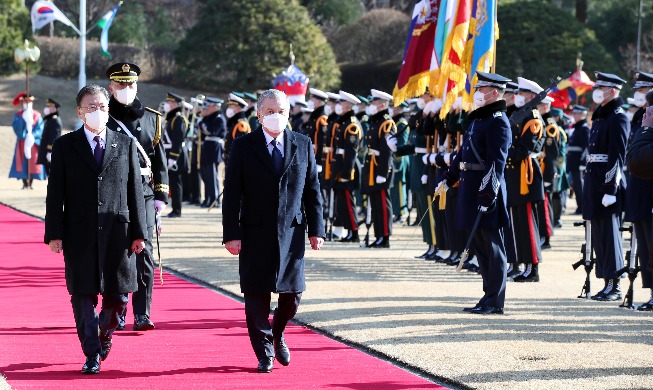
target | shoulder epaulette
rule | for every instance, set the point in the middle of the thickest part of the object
(157, 130)
(497, 114)
(618, 110)
(242, 126)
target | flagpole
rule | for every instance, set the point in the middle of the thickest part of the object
(496, 24)
(82, 44)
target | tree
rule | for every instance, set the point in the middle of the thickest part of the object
(240, 45)
(14, 27)
(336, 12)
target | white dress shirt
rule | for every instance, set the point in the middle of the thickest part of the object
(269, 138)
(90, 135)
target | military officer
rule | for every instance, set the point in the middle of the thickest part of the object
(398, 192)
(51, 130)
(479, 167)
(127, 115)
(213, 130)
(548, 159)
(577, 153)
(250, 112)
(377, 171)
(237, 124)
(604, 188)
(561, 182)
(176, 129)
(295, 119)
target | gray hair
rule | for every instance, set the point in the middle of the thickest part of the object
(273, 94)
(91, 89)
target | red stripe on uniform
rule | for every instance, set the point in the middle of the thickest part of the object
(350, 211)
(384, 207)
(548, 216)
(531, 232)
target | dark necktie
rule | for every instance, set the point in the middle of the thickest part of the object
(98, 153)
(277, 160)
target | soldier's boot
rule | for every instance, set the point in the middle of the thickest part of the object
(601, 293)
(648, 306)
(514, 272)
(613, 293)
(530, 275)
(384, 242)
(121, 320)
(427, 253)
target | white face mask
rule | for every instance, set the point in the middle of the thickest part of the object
(47, 111)
(520, 101)
(230, 112)
(275, 123)
(126, 95)
(372, 110)
(640, 99)
(356, 109)
(597, 96)
(338, 109)
(479, 99)
(166, 107)
(97, 120)
(310, 105)
(328, 110)
(421, 103)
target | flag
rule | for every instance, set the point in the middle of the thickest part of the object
(44, 12)
(105, 24)
(441, 35)
(480, 50)
(419, 56)
(579, 81)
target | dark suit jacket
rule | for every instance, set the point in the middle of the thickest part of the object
(271, 214)
(96, 211)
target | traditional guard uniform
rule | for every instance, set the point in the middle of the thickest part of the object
(548, 163)
(237, 125)
(176, 152)
(479, 167)
(577, 156)
(327, 151)
(51, 130)
(560, 182)
(377, 171)
(525, 190)
(398, 192)
(144, 125)
(24, 165)
(603, 194)
(213, 130)
(346, 179)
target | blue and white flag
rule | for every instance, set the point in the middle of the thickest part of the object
(105, 24)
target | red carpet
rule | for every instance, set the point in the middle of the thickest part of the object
(200, 341)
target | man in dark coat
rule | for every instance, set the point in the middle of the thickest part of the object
(51, 131)
(603, 194)
(95, 213)
(176, 152)
(271, 198)
(577, 153)
(128, 116)
(482, 189)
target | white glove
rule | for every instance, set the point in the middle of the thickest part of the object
(608, 200)
(221, 142)
(547, 184)
(159, 206)
(432, 158)
(427, 108)
(319, 168)
(482, 209)
(380, 180)
(442, 148)
(447, 158)
(425, 159)
(392, 143)
(424, 179)
(442, 184)
(48, 156)
(172, 164)
(341, 180)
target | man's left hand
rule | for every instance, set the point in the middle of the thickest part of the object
(317, 242)
(138, 245)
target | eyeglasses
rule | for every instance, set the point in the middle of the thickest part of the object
(93, 108)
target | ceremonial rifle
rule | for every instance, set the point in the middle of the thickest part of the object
(330, 221)
(632, 268)
(586, 259)
(409, 205)
(517, 119)
(368, 221)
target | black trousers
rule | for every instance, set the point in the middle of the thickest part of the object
(88, 322)
(381, 213)
(524, 235)
(577, 185)
(456, 238)
(346, 209)
(209, 173)
(427, 220)
(194, 186)
(490, 251)
(606, 242)
(142, 298)
(644, 232)
(176, 190)
(257, 312)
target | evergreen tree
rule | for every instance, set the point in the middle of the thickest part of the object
(14, 27)
(338, 12)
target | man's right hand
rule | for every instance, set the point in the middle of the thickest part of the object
(56, 246)
(233, 246)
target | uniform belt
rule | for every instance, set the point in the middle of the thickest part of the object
(326, 149)
(575, 148)
(146, 171)
(213, 139)
(373, 152)
(340, 151)
(420, 150)
(594, 158)
(536, 155)
(465, 166)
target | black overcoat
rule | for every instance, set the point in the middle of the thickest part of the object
(271, 214)
(96, 211)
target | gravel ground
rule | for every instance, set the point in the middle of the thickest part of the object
(409, 311)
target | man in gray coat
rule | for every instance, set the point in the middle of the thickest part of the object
(271, 199)
(95, 214)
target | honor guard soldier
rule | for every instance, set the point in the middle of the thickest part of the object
(51, 130)
(176, 129)
(377, 171)
(296, 114)
(127, 115)
(237, 124)
(561, 181)
(577, 153)
(250, 112)
(327, 155)
(524, 187)
(346, 171)
(398, 193)
(548, 159)
(603, 193)
(481, 191)
(213, 130)
(316, 126)
(28, 127)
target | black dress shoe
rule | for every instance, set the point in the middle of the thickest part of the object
(472, 308)
(612, 294)
(423, 255)
(281, 351)
(142, 322)
(265, 364)
(385, 243)
(105, 343)
(174, 214)
(514, 273)
(487, 310)
(532, 277)
(648, 306)
(92, 365)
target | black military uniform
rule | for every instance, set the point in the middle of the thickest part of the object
(603, 193)
(51, 130)
(398, 193)
(237, 125)
(144, 125)
(177, 154)
(250, 113)
(551, 150)
(577, 156)
(327, 151)
(377, 171)
(213, 130)
(479, 167)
